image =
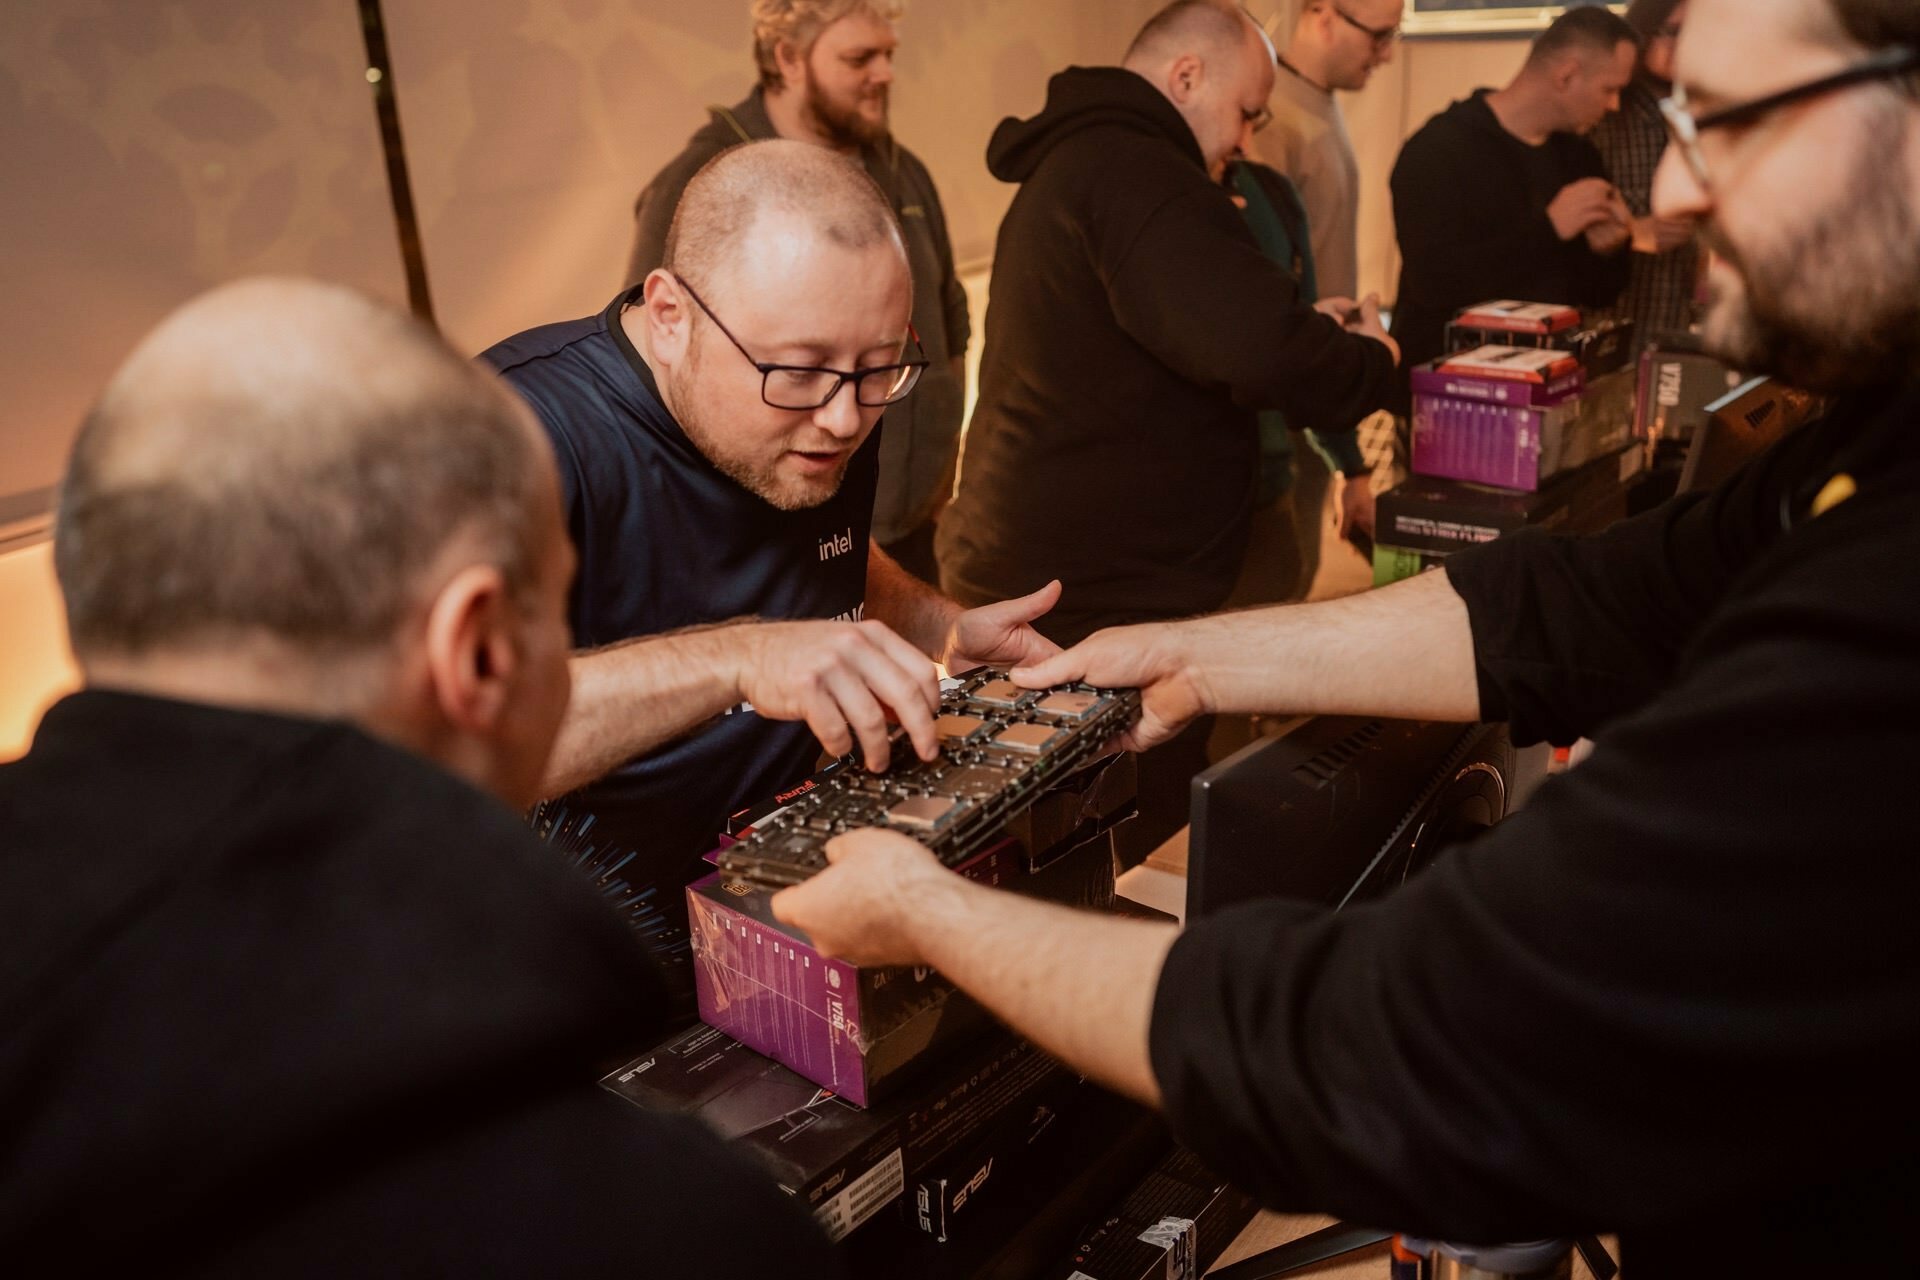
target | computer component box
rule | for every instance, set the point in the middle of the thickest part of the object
(1521, 447)
(1173, 1226)
(857, 1031)
(845, 1163)
(1424, 520)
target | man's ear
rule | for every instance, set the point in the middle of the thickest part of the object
(791, 61)
(473, 649)
(1185, 75)
(669, 317)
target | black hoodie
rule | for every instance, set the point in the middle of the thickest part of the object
(1134, 331)
(277, 999)
(1470, 201)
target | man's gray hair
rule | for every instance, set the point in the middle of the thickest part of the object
(287, 459)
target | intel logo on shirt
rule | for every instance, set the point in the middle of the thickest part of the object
(836, 544)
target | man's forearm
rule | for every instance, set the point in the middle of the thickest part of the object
(1404, 650)
(630, 698)
(1079, 985)
(918, 612)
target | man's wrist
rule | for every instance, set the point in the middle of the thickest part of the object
(934, 907)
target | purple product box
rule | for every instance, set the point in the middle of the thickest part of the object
(843, 1162)
(1429, 380)
(1492, 444)
(854, 1030)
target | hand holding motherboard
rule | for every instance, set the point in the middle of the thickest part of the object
(1000, 747)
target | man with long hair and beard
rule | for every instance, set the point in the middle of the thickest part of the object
(826, 78)
(1678, 994)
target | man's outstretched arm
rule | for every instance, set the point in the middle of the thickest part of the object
(1079, 985)
(1404, 651)
(840, 677)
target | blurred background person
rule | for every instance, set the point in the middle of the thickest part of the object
(1334, 48)
(1134, 332)
(1664, 280)
(1501, 195)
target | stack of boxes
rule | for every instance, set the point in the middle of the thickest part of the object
(887, 1101)
(1527, 422)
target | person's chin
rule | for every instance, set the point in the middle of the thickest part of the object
(1728, 329)
(807, 480)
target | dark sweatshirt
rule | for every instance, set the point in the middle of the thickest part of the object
(1470, 207)
(1134, 330)
(277, 999)
(1678, 994)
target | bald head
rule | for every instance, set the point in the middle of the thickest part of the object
(287, 460)
(1214, 63)
(751, 187)
(1210, 29)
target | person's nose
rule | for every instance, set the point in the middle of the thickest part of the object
(1677, 190)
(840, 415)
(881, 69)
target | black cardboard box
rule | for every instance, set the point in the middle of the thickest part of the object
(947, 1194)
(844, 1162)
(1172, 1226)
(1438, 516)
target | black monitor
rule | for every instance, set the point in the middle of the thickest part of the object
(1345, 808)
(1740, 426)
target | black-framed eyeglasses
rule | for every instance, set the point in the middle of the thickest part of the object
(804, 386)
(1381, 36)
(1686, 127)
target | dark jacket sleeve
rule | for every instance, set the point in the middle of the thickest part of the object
(1463, 255)
(1681, 977)
(1192, 287)
(1603, 276)
(578, 1184)
(1457, 253)
(1571, 632)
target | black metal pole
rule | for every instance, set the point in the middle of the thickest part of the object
(373, 27)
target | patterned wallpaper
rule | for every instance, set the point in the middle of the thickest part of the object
(153, 149)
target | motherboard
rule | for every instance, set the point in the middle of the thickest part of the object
(1001, 746)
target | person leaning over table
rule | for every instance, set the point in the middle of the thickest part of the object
(1678, 994)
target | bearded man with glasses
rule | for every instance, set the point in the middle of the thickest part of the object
(731, 615)
(1676, 995)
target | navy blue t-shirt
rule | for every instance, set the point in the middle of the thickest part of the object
(666, 540)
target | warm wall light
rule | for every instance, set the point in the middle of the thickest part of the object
(35, 666)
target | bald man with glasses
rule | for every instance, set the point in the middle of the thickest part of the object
(718, 429)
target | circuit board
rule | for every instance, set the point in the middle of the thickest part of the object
(1000, 747)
